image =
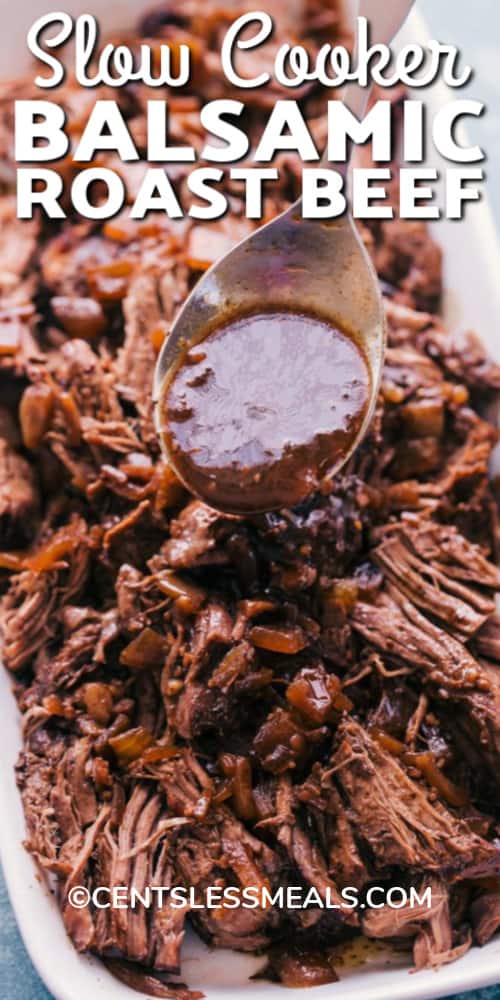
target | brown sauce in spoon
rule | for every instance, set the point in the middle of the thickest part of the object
(259, 411)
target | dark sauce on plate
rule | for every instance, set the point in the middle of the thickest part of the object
(259, 411)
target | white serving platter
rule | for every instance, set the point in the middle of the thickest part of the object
(472, 279)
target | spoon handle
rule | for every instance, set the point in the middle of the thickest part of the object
(384, 20)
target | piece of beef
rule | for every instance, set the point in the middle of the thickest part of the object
(282, 817)
(138, 979)
(138, 946)
(240, 860)
(153, 296)
(215, 848)
(167, 926)
(395, 816)
(407, 370)
(214, 698)
(463, 356)
(477, 714)
(36, 777)
(28, 618)
(333, 829)
(452, 553)
(19, 498)
(198, 710)
(74, 791)
(124, 931)
(79, 923)
(193, 703)
(193, 539)
(420, 562)
(76, 657)
(88, 412)
(485, 915)
(303, 851)
(91, 386)
(403, 634)
(131, 601)
(428, 924)
(460, 494)
(326, 530)
(66, 258)
(487, 640)
(214, 627)
(405, 255)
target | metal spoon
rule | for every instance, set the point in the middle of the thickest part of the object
(294, 264)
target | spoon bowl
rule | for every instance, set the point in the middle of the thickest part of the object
(290, 265)
(315, 268)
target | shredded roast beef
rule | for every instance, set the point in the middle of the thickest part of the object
(397, 818)
(309, 697)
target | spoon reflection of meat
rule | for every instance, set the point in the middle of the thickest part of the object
(309, 696)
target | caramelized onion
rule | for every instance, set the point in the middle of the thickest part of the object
(285, 639)
(187, 597)
(125, 523)
(146, 650)
(98, 700)
(299, 968)
(282, 742)
(130, 745)
(72, 416)
(342, 703)
(255, 607)
(313, 692)
(425, 762)
(240, 771)
(60, 546)
(169, 490)
(424, 417)
(158, 752)
(157, 336)
(122, 229)
(10, 336)
(343, 594)
(109, 282)
(450, 792)
(13, 561)
(224, 792)
(134, 469)
(54, 706)
(388, 742)
(403, 496)
(101, 774)
(35, 413)
(79, 317)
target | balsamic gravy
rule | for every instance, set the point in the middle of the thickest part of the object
(259, 411)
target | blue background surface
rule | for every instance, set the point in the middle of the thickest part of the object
(475, 27)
